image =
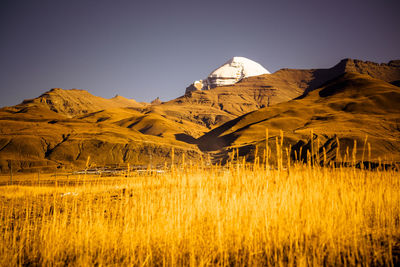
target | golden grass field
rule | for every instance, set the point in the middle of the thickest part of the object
(240, 214)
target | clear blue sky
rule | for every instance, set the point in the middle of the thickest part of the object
(144, 49)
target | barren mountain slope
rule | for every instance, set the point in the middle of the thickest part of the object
(33, 136)
(347, 108)
(75, 102)
(149, 124)
(221, 104)
(29, 146)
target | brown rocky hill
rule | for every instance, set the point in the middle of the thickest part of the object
(52, 132)
(349, 107)
(75, 102)
(221, 104)
(388, 72)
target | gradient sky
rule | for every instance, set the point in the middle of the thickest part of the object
(144, 49)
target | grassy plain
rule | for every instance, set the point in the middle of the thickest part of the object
(204, 215)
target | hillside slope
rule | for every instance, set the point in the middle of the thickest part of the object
(52, 132)
(223, 103)
(75, 102)
(345, 109)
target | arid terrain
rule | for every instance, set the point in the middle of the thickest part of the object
(294, 168)
(352, 101)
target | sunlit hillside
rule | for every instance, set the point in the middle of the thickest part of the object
(351, 114)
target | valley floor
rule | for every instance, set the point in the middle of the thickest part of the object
(233, 215)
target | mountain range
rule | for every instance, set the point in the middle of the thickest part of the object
(352, 101)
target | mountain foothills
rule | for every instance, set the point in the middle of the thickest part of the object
(63, 128)
(350, 108)
(354, 101)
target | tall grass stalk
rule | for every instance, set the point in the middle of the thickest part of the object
(207, 215)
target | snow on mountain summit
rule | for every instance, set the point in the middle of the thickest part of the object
(231, 72)
(236, 68)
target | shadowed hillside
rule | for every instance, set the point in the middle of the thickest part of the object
(345, 109)
(221, 104)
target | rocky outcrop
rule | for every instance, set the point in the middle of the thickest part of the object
(195, 86)
(388, 72)
(394, 63)
(156, 101)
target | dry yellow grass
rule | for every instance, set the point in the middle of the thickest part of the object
(237, 215)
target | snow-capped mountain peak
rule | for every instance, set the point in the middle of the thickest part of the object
(229, 73)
